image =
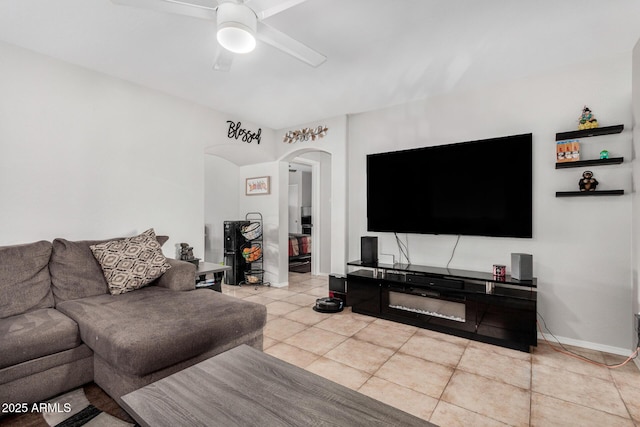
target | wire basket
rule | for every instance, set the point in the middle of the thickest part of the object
(252, 252)
(253, 277)
(252, 230)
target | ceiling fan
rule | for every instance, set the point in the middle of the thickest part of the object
(239, 23)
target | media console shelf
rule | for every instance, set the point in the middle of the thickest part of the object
(464, 303)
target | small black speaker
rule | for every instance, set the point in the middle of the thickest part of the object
(369, 250)
(337, 283)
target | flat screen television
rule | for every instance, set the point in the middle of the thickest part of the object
(481, 188)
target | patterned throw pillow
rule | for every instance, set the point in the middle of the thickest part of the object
(131, 263)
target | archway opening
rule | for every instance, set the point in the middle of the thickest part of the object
(308, 213)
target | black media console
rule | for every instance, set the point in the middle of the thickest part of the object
(468, 304)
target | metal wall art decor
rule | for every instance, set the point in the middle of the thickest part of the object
(305, 134)
(236, 132)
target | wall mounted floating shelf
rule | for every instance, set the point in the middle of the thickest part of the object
(575, 134)
(589, 193)
(592, 162)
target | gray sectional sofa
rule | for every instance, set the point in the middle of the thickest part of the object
(60, 327)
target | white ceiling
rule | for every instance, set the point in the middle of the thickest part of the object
(380, 52)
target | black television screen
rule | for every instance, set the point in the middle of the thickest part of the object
(481, 188)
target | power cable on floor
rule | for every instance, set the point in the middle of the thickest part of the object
(568, 352)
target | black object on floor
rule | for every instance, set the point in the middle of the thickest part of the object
(328, 305)
(300, 267)
(81, 418)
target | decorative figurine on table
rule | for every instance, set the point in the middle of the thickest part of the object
(186, 252)
(604, 154)
(588, 182)
(587, 120)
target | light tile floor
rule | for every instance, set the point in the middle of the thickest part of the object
(447, 380)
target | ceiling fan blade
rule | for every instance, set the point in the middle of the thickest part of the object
(288, 45)
(195, 10)
(266, 8)
(223, 59)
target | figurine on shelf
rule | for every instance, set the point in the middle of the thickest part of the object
(587, 120)
(588, 182)
(604, 154)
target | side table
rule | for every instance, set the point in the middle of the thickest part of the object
(205, 268)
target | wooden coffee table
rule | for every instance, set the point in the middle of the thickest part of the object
(246, 387)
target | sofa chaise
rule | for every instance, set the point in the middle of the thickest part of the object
(61, 326)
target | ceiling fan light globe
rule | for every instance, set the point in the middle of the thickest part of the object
(236, 40)
(236, 27)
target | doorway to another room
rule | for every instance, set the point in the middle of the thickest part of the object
(310, 214)
(300, 218)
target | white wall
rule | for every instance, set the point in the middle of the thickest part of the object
(636, 184)
(221, 203)
(581, 246)
(86, 156)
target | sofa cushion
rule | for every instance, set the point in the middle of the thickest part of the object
(75, 272)
(152, 328)
(23, 371)
(25, 283)
(180, 277)
(131, 263)
(36, 334)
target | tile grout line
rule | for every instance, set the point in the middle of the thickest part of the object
(531, 389)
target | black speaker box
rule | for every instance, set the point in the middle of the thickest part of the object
(369, 250)
(338, 287)
(337, 283)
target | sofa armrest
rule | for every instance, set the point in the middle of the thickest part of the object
(180, 277)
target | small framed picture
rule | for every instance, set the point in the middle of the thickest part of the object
(257, 186)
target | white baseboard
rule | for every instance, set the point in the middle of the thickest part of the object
(279, 285)
(589, 345)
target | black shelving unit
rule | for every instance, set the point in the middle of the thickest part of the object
(253, 250)
(586, 133)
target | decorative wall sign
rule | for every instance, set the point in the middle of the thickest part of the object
(305, 134)
(257, 186)
(236, 132)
